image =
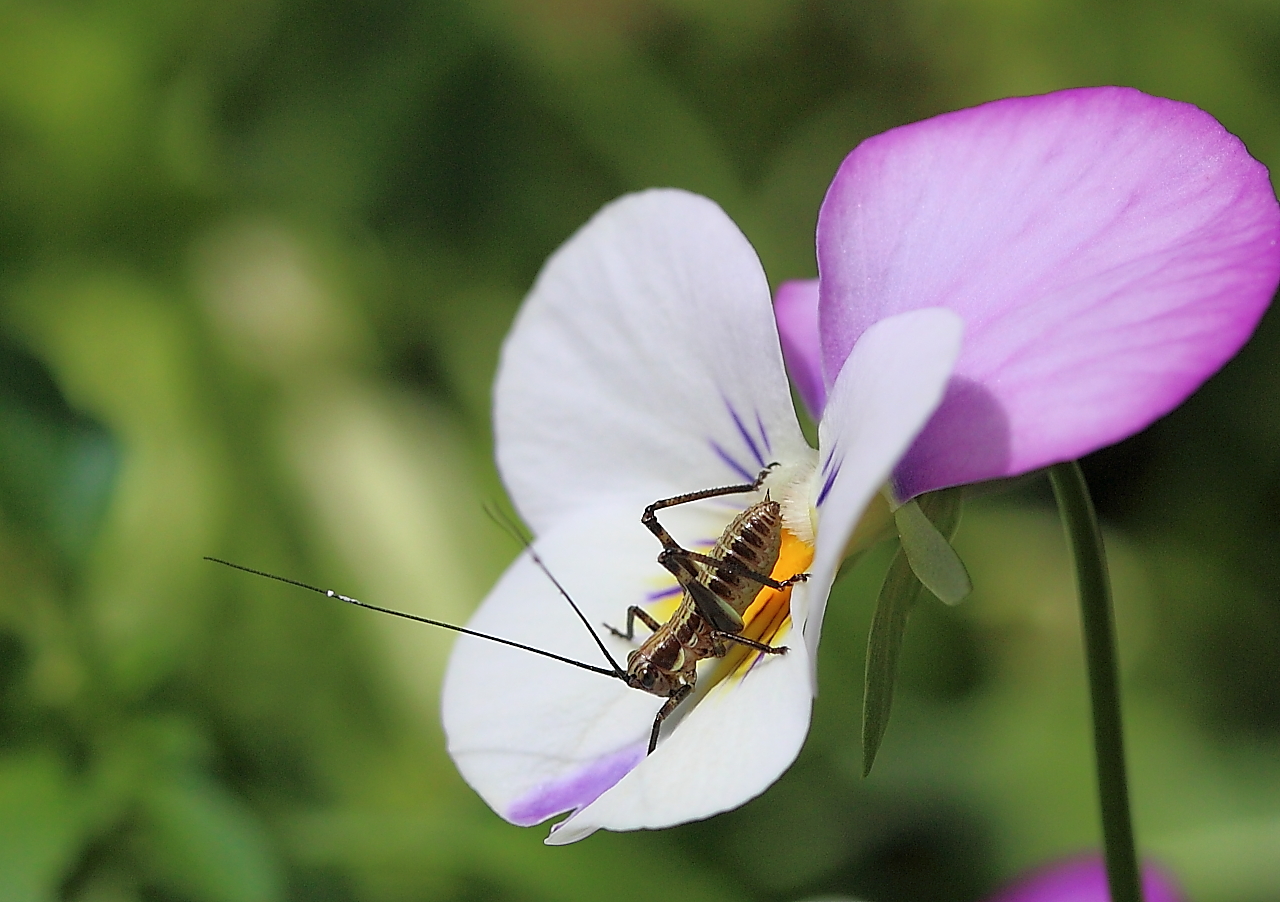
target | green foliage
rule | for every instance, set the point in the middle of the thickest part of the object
(57, 467)
(256, 259)
(936, 516)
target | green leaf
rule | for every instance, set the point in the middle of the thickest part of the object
(57, 466)
(203, 844)
(40, 826)
(898, 595)
(933, 520)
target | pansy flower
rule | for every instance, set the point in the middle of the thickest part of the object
(646, 363)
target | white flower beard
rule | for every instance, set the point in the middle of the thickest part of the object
(793, 484)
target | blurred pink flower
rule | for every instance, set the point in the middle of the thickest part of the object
(1084, 880)
(1107, 250)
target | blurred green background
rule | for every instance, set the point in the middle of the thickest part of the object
(256, 258)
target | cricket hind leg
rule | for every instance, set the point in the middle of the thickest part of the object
(680, 560)
(676, 560)
(666, 711)
(635, 612)
(650, 516)
(680, 563)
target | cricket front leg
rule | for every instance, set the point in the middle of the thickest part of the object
(664, 712)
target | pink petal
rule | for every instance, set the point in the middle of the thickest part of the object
(795, 307)
(1108, 250)
(1084, 880)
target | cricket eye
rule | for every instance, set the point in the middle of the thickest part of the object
(646, 677)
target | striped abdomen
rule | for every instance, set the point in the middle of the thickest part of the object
(753, 542)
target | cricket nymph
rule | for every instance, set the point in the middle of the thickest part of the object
(718, 588)
(666, 661)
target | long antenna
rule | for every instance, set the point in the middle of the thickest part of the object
(617, 672)
(504, 521)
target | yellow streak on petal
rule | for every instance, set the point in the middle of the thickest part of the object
(664, 609)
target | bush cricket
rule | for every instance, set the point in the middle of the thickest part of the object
(717, 587)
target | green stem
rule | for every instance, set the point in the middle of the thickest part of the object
(1094, 585)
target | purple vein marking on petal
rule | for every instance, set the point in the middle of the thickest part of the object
(760, 656)
(826, 461)
(659, 594)
(830, 480)
(764, 433)
(727, 458)
(577, 790)
(746, 436)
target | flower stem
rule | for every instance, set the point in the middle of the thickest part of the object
(1094, 584)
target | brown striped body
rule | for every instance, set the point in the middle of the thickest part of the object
(718, 586)
(666, 663)
(752, 541)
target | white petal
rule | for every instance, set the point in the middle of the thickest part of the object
(729, 749)
(536, 737)
(889, 386)
(645, 361)
(516, 721)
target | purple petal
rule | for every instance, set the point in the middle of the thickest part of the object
(1108, 251)
(795, 307)
(1084, 880)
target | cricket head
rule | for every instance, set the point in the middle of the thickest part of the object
(647, 676)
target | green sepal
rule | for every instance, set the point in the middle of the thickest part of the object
(901, 589)
(898, 595)
(926, 541)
